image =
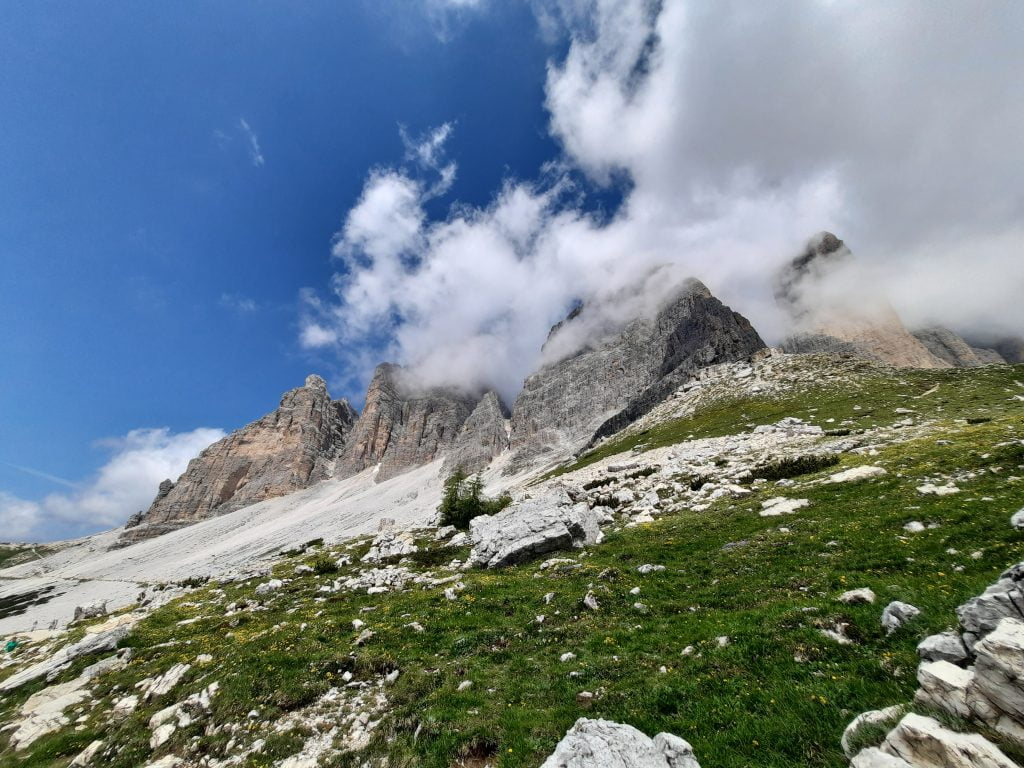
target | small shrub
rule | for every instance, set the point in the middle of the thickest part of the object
(645, 472)
(979, 420)
(794, 466)
(323, 563)
(601, 482)
(463, 500)
(838, 432)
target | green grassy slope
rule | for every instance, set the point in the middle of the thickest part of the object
(777, 695)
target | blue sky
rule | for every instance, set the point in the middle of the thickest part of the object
(202, 202)
(152, 260)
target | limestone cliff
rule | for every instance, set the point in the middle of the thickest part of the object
(947, 345)
(483, 437)
(602, 383)
(403, 426)
(833, 313)
(289, 449)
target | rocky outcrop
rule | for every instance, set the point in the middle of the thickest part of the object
(288, 449)
(530, 528)
(948, 346)
(483, 436)
(1011, 349)
(600, 376)
(975, 675)
(403, 426)
(831, 316)
(604, 744)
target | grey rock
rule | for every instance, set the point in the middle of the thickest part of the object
(289, 449)
(896, 614)
(1017, 519)
(1011, 349)
(922, 741)
(996, 692)
(946, 646)
(944, 686)
(597, 377)
(403, 426)
(389, 544)
(980, 615)
(91, 611)
(529, 528)
(604, 744)
(857, 596)
(483, 436)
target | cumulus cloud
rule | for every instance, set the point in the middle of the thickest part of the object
(124, 485)
(734, 132)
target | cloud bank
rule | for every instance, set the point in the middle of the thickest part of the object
(735, 132)
(124, 485)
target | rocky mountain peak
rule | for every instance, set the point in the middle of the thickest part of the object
(403, 425)
(608, 363)
(288, 449)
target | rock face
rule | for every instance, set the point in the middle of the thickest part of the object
(289, 449)
(529, 528)
(1011, 349)
(976, 676)
(598, 380)
(947, 346)
(403, 426)
(829, 319)
(604, 744)
(483, 436)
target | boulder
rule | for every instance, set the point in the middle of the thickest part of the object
(944, 686)
(604, 744)
(980, 615)
(1017, 519)
(91, 611)
(857, 596)
(896, 614)
(924, 743)
(389, 544)
(873, 757)
(946, 646)
(996, 691)
(529, 528)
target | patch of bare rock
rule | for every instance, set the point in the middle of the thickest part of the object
(975, 675)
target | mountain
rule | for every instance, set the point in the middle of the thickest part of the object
(289, 449)
(598, 380)
(482, 438)
(402, 425)
(830, 316)
(947, 345)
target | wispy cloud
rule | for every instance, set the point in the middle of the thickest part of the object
(255, 153)
(41, 474)
(243, 305)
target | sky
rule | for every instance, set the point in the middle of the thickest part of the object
(201, 203)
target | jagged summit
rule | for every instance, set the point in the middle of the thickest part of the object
(403, 426)
(290, 448)
(600, 383)
(832, 311)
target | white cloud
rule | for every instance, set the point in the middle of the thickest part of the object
(124, 485)
(253, 143)
(314, 335)
(237, 303)
(736, 132)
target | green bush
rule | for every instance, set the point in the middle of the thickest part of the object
(793, 467)
(323, 564)
(463, 500)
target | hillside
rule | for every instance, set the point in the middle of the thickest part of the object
(722, 643)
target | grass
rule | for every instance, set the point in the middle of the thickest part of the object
(777, 695)
(16, 554)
